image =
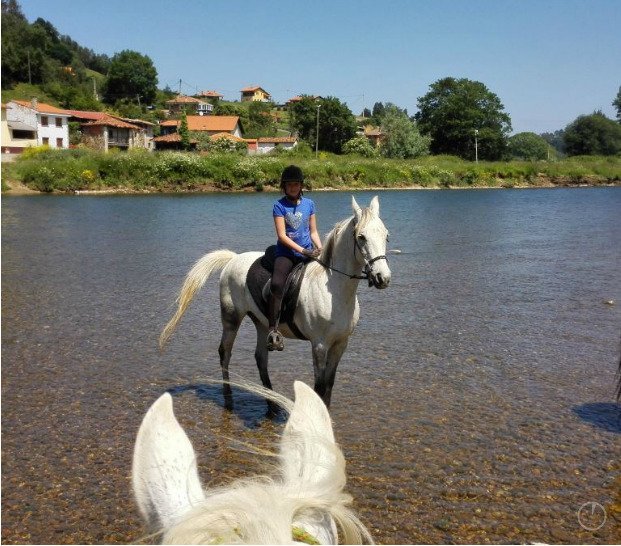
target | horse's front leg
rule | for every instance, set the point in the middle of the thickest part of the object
(320, 355)
(332, 361)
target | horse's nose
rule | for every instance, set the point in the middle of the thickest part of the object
(382, 282)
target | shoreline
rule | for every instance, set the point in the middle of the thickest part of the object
(17, 188)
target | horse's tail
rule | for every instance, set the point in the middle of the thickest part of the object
(194, 281)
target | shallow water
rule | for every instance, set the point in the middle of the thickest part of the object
(475, 402)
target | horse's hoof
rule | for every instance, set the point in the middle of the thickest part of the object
(275, 341)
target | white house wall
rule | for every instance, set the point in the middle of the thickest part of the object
(52, 132)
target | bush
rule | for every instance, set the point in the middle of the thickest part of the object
(361, 146)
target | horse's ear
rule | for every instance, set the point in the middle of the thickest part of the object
(308, 452)
(164, 473)
(374, 206)
(356, 208)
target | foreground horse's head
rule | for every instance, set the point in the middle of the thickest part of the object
(304, 503)
(371, 236)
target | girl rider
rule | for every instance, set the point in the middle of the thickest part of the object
(298, 240)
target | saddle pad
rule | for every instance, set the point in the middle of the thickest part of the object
(260, 273)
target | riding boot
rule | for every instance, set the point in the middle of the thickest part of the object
(274, 338)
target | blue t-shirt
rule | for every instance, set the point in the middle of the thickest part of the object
(297, 223)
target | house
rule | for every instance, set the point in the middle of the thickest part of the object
(172, 141)
(18, 136)
(209, 124)
(112, 132)
(255, 94)
(298, 98)
(212, 96)
(190, 105)
(32, 123)
(84, 116)
(374, 135)
(267, 144)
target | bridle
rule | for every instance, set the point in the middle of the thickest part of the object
(367, 263)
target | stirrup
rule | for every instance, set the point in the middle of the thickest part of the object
(275, 341)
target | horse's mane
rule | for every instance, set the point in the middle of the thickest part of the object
(260, 510)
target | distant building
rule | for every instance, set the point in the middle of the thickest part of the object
(34, 123)
(255, 94)
(113, 132)
(209, 124)
(212, 96)
(267, 144)
(190, 105)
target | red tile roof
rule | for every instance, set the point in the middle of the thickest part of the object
(111, 121)
(41, 107)
(172, 137)
(252, 89)
(206, 123)
(213, 94)
(183, 99)
(82, 114)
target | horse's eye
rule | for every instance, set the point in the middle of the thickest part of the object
(362, 238)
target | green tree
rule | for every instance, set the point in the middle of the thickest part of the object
(131, 76)
(359, 145)
(556, 140)
(593, 135)
(617, 104)
(260, 121)
(337, 124)
(184, 132)
(452, 110)
(401, 136)
(528, 146)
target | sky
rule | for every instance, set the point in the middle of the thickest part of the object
(549, 61)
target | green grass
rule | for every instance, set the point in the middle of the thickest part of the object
(80, 169)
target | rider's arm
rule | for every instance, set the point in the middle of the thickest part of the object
(313, 232)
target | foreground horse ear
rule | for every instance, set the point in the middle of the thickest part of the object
(374, 206)
(308, 452)
(164, 473)
(356, 208)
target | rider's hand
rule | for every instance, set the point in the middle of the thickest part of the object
(311, 252)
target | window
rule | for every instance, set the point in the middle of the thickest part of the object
(18, 134)
(46, 141)
(59, 142)
(59, 122)
(44, 121)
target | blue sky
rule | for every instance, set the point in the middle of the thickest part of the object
(548, 61)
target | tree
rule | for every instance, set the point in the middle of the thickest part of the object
(337, 124)
(184, 133)
(401, 137)
(452, 110)
(131, 76)
(593, 135)
(359, 145)
(556, 140)
(617, 104)
(260, 121)
(528, 146)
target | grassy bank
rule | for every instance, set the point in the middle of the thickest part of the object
(139, 170)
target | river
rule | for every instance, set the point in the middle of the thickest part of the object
(475, 403)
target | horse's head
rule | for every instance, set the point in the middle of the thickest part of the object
(371, 236)
(304, 504)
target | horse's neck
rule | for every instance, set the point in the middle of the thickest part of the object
(346, 260)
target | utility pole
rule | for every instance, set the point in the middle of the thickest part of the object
(179, 86)
(317, 135)
(138, 97)
(476, 146)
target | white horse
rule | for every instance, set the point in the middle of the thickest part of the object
(305, 503)
(327, 309)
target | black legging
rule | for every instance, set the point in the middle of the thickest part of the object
(282, 267)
